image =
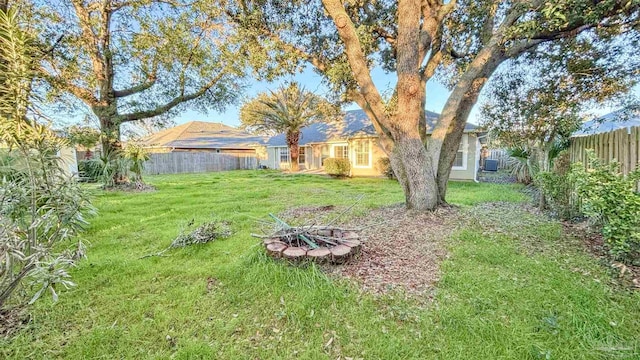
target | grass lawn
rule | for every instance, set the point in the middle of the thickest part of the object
(513, 286)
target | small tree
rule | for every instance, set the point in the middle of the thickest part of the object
(287, 110)
(136, 155)
(535, 104)
(40, 206)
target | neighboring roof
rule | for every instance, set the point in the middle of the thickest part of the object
(613, 121)
(204, 135)
(356, 123)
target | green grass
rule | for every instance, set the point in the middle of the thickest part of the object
(513, 287)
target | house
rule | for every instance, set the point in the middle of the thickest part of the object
(355, 138)
(610, 122)
(68, 160)
(201, 136)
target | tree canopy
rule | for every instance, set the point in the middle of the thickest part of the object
(462, 43)
(130, 60)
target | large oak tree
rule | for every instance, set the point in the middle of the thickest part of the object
(127, 60)
(464, 41)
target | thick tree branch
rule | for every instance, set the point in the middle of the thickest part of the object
(357, 59)
(81, 93)
(489, 22)
(386, 35)
(139, 115)
(571, 32)
(89, 37)
(137, 88)
(433, 13)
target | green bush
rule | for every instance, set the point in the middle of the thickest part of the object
(558, 188)
(384, 167)
(337, 167)
(90, 170)
(522, 165)
(611, 199)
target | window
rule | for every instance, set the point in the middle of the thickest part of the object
(301, 155)
(362, 153)
(460, 163)
(341, 151)
(284, 155)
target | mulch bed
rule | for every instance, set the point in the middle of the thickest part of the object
(402, 249)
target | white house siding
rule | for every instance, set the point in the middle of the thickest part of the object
(68, 160)
(316, 152)
(466, 172)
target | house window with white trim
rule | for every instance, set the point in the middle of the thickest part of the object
(460, 162)
(301, 155)
(362, 153)
(341, 151)
(284, 155)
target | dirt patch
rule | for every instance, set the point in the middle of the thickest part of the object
(12, 320)
(402, 249)
(303, 214)
(626, 274)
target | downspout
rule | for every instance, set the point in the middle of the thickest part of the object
(477, 156)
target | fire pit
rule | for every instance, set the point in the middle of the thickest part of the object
(321, 244)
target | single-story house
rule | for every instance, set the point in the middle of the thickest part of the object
(355, 139)
(201, 136)
(610, 122)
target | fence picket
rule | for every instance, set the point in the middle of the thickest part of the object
(622, 145)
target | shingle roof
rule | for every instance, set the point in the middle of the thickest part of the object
(612, 121)
(356, 123)
(204, 135)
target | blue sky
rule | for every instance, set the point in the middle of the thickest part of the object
(436, 96)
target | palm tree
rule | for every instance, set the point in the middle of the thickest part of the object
(287, 110)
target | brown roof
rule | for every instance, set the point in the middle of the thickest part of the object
(204, 135)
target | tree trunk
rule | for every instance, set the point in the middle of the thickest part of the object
(448, 134)
(293, 138)
(110, 136)
(543, 165)
(411, 164)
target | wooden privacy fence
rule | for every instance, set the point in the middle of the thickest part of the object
(194, 162)
(622, 145)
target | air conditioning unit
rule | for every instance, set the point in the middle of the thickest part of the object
(490, 165)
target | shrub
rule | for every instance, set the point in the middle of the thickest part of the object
(41, 209)
(558, 188)
(384, 167)
(89, 170)
(522, 165)
(611, 199)
(337, 167)
(136, 155)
